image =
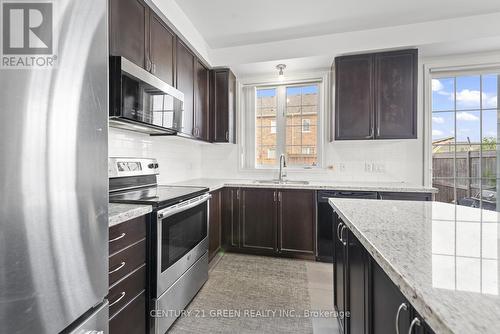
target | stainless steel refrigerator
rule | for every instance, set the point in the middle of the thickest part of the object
(53, 166)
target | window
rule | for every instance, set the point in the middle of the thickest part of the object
(286, 122)
(464, 139)
(273, 126)
(306, 125)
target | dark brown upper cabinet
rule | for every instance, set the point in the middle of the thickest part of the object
(223, 106)
(201, 103)
(354, 115)
(185, 74)
(129, 25)
(140, 35)
(161, 49)
(396, 75)
(376, 96)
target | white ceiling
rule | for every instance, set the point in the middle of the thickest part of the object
(225, 23)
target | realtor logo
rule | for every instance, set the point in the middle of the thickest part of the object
(27, 34)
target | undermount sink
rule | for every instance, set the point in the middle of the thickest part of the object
(275, 181)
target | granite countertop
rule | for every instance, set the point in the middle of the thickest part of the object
(444, 258)
(119, 213)
(214, 184)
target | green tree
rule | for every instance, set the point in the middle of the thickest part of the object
(489, 144)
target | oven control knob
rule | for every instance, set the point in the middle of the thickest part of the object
(151, 166)
(156, 165)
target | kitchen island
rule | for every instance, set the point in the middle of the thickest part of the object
(442, 258)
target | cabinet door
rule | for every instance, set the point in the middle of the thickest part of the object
(185, 83)
(339, 272)
(354, 97)
(258, 219)
(223, 106)
(201, 106)
(396, 94)
(297, 216)
(128, 30)
(356, 286)
(161, 49)
(230, 218)
(131, 319)
(386, 300)
(215, 220)
(403, 196)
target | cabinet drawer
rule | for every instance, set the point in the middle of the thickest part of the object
(124, 234)
(124, 291)
(131, 319)
(126, 260)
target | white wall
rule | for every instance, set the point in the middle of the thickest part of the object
(365, 160)
(179, 158)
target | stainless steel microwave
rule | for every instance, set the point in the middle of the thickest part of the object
(139, 101)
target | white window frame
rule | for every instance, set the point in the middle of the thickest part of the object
(438, 67)
(281, 119)
(246, 120)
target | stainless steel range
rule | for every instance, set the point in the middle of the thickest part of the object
(177, 235)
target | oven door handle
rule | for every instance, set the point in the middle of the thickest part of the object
(174, 209)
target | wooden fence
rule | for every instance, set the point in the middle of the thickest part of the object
(468, 173)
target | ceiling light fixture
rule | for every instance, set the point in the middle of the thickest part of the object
(280, 68)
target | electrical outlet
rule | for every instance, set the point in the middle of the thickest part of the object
(379, 168)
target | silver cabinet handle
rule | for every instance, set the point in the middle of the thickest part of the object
(338, 235)
(119, 298)
(118, 268)
(274, 196)
(227, 135)
(414, 322)
(279, 196)
(118, 237)
(403, 306)
(342, 235)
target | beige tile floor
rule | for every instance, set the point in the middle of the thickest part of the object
(320, 286)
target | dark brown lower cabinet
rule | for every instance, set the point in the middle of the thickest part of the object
(258, 219)
(297, 216)
(269, 221)
(357, 276)
(132, 318)
(230, 218)
(339, 272)
(351, 281)
(404, 196)
(386, 301)
(127, 277)
(215, 222)
(364, 293)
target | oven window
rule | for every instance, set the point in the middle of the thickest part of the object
(181, 232)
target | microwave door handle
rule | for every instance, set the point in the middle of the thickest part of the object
(172, 210)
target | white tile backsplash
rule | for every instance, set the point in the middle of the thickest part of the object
(179, 158)
(183, 159)
(390, 160)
